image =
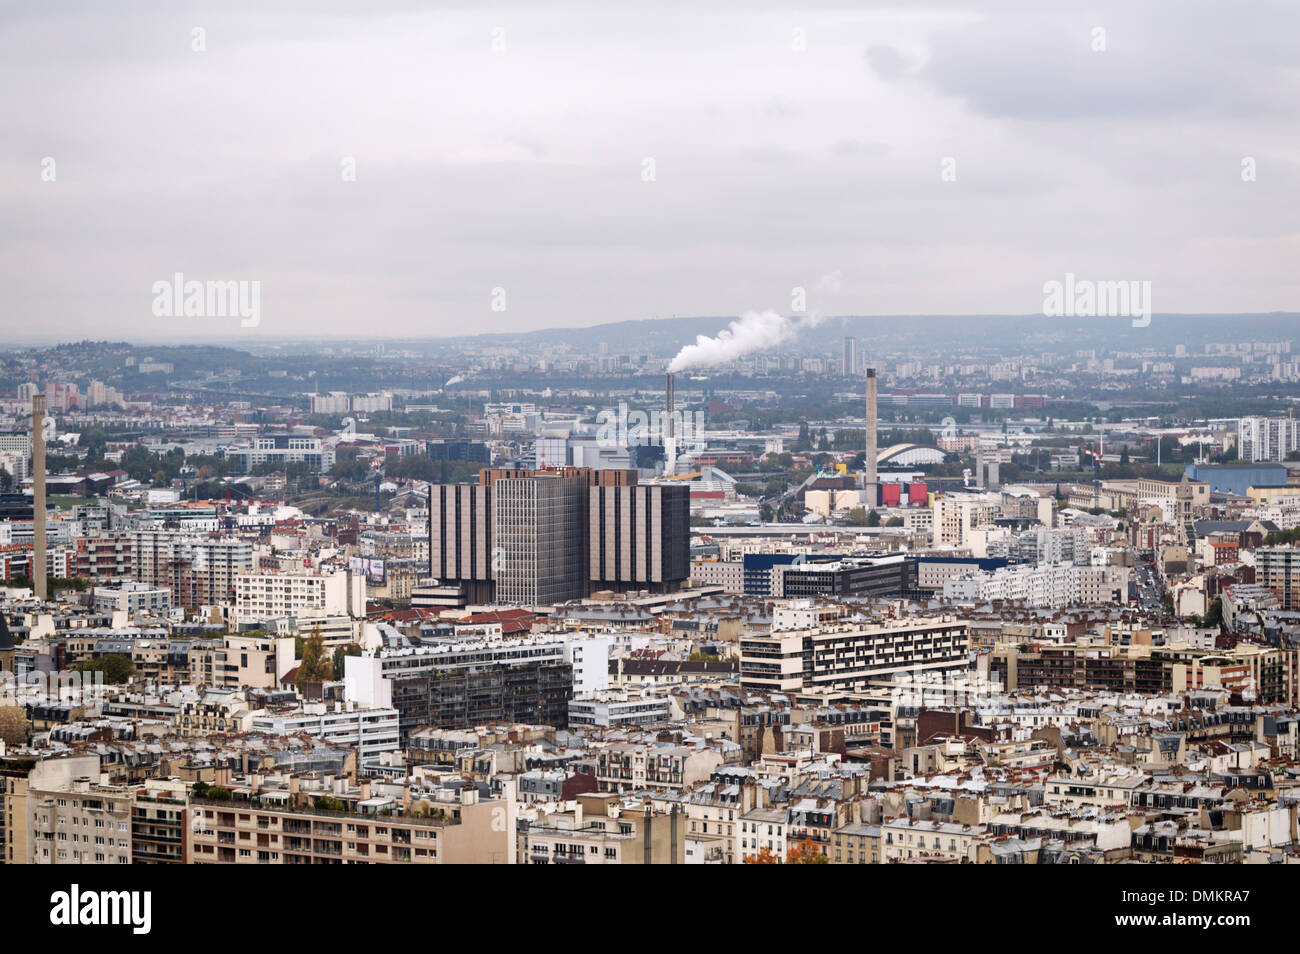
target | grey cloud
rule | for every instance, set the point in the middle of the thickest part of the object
(523, 171)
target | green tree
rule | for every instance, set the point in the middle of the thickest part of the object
(341, 653)
(1213, 618)
(116, 667)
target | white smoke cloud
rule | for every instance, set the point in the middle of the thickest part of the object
(831, 283)
(455, 380)
(752, 331)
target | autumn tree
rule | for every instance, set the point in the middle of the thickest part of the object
(316, 665)
(803, 852)
(806, 852)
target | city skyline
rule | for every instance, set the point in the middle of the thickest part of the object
(678, 434)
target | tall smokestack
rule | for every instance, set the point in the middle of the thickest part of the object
(869, 463)
(38, 495)
(670, 435)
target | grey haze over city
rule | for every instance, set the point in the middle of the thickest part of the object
(399, 170)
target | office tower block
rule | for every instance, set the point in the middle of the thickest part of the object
(639, 536)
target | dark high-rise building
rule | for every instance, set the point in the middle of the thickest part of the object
(547, 536)
(640, 536)
(460, 538)
(536, 692)
(538, 539)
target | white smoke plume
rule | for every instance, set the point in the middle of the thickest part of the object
(752, 331)
(455, 380)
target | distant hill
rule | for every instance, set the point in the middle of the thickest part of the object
(922, 333)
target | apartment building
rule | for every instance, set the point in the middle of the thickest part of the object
(759, 829)
(223, 711)
(78, 821)
(856, 844)
(955, 515)
(262, 596)
(632, 767)
(239, 661)
(462, 683)
(1278, 569)
(611, 708)
(1048, 585)
(380, 831)
(368, 730)
(159, 815)
(601, 830)
(1267, 438)
(712, 813)
(13, 810)
(103, 559)
(907, 839)
(849, 656)
(1098, 790)
(1267, 674)
(281, 449)
(198, 570)
(132, 598)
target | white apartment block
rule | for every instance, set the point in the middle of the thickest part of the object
(72, 819)
(369, 730)
(260, 596)
(1049, 585)
(1267, 438)
(336, 402)
(132, 598)
(955, 515)
(607, 709)
(589, 657)
(1059, 545)
(16, 453)
(851, 655)
(730, 575)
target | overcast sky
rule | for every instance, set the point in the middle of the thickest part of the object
(524, 168)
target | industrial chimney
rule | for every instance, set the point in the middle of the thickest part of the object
(38, 495)
(670, 432)
(869, 462)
